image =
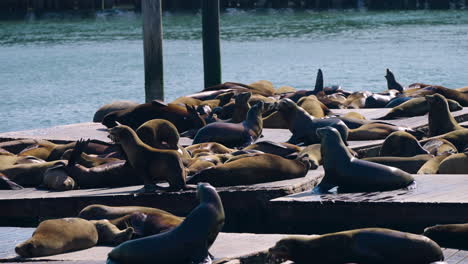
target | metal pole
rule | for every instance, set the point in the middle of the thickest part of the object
(152, 45)
(211, 42)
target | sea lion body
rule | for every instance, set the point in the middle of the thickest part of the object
(454, 164)
(59, 236)
(408, 164)
(439, 146)
(114, 106)
(280, 149)
(313, 106)
(401, 144)
(234, 135)
(374, 131)
(392, 84)
(432, 165)
(349, 173)
(414, 107)
(450, 236)
(440, 119)
(190, 241)
(369, 245)
(254, 169)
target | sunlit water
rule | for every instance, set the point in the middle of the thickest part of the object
(60, 68)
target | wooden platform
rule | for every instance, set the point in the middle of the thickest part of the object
(245, 206)
(437, 199)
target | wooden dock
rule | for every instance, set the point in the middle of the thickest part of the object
(437, 199)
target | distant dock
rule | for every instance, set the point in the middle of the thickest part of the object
(38, 6)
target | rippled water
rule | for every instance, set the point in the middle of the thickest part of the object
(61, 67)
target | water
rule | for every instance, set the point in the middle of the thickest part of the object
(60, 68)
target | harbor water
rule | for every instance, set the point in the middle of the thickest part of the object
(59, 68)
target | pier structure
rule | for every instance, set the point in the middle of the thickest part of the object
(39, 6)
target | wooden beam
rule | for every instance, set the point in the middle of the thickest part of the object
(211, 42)
(153, 54)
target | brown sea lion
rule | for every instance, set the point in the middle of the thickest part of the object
(401, 144)
(252, 170)
(454, 164)
(314, 154)
(459, 138)
(234, 135)
(152, 164)
(47, 151)
(439, 146)
(263, 86)
(313, 106)
(368, 245)
(440, 119)
(148, 224)
(211, 147)
(100, 211)
(304, 126)
(114, 106)
(356, 100)
(351, 174)
(449, 236)
(59, 236)
(415, 107)
(189, 242)
(241, 107)
(280, 149)
(432, 165)
(184, 118)
(407, 164)
(184, 100)
(285, 89)
(354, 115)
(460, 97)
(375, 131)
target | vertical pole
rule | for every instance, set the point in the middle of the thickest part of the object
(211, 42)
(152, 45)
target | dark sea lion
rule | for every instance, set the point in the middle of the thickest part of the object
(401, 144)
(454, 164)
(151, 164)
(432, 165)
(408, 164)
(184, 118)
(377, 100)
(440, 119)
(280, 149)
(397, 101)
(187, 243)
(392, 84)
(303, 126)
(275, 120)
(415, 107)
(254, 169)
(368, 245)
(449, 236)
(351, 174)
(296, 96)
(59, 236)
(7, 184)
(374, 131)
(234, 135)
(114, 106)
(439, 146)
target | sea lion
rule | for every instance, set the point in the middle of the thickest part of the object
(392, 84)
(184, 100)
(314, 154)
(377, 100)
(432, 165)
(275, 120)
(152, 164)
(184, 118)
(211, 147)
(375, 131)
(368, 245)
(440, 119)
(7, 184)
(285, 89)
(59, 236)
(237, 112)
(439, 146)
(401, 144)
(147, 224)
(114, 106)
(280, 149)
(450, 236)
(159, 133)
(109, 234)
(189, 242)
(461, 98)
(46, 150)
(304, 126)
(356, 100)
(454, 164)
(264, 87)
(397, 101)
(302, 93)
(415, 107)
(351, 174)
(100, 211)
(408, 164)
(234, 135)
(249, 170)
(354, 115)
(313, 106)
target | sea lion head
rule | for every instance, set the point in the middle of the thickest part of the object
(290, 248)
(56, 178)
(119, 133)
(326, 132)
(110, 119)
(33, 248)
(286, 105)
(243, 98)
(256, 111)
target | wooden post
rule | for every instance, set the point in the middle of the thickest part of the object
(152, 45)
(211, 42)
